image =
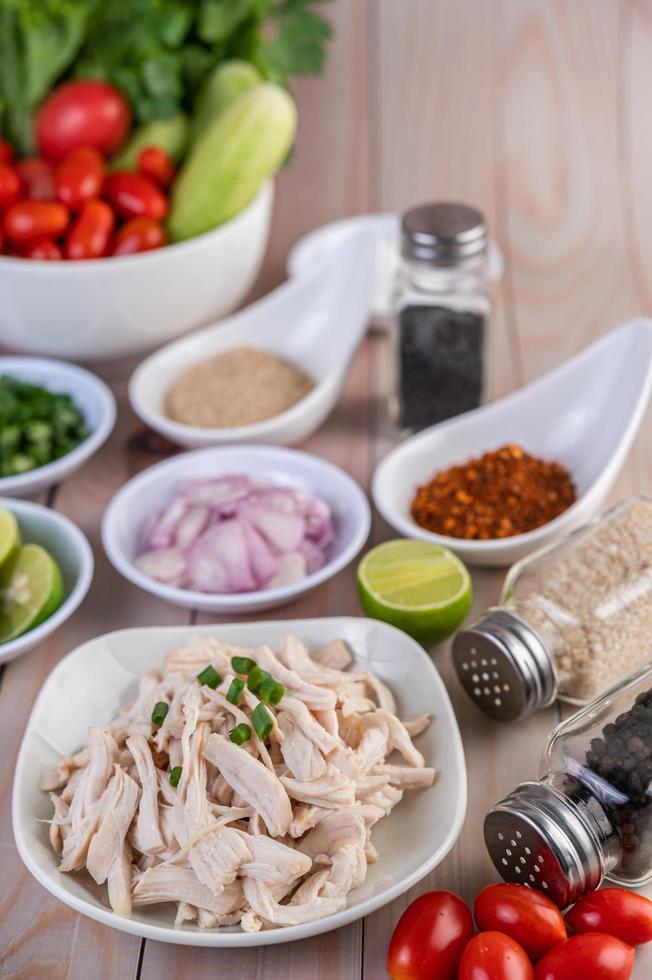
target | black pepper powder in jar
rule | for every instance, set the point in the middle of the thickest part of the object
(443, 308)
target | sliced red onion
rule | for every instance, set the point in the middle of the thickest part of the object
(292, 568)
(283, 499)
(314, 556)
(233, 534)
(206, 573)
(319, 521)
(226, 542)
(227, 490)
(162, 534)
(263, 561)
(284, 531)
(191, 526)
(165, 565)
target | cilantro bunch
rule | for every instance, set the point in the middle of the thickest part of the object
(156, 51)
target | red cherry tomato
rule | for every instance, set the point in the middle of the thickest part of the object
(494, 956)
(42, 248)
(429, 938)
(6, 151)
(11, 187)
(82, 113)
(153, 162)
(139, 235)
(29, 220)
(522, 913)
(592, 955)
(135, 196)
(79, 177)
(37, 176)
(90, 235)
(614, 911)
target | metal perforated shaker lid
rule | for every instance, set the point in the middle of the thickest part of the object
(539, 837)
(503, 666)
(443, 233)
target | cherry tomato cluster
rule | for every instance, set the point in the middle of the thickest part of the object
(523, 936)
(73, 208)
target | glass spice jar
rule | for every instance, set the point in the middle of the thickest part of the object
(574, 617)
(442, 307)
(589, 815)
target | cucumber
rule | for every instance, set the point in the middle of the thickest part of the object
(227, 166)
(170, 134)
(222, 87)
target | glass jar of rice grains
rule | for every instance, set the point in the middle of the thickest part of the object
(574, 618)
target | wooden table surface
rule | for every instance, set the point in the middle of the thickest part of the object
(539, 112)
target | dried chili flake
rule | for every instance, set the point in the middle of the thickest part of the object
(503, 493)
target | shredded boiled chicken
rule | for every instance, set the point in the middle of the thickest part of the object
(267, 833)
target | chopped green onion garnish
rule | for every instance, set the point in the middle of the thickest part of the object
(271, 691)
(175, 776)
(161, 709)
(236, 688)
(242, 665)
(262, 721)
(210, 677)
(257, 676)
(240, 734)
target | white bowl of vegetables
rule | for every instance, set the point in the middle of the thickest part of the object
(115, 307)
(46, 568)
(53, 417)
(234, 530)
(118, 239)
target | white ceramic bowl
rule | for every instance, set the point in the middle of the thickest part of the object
(156, 487)
(316, 322)
(72, 553)
(114, 307)
(92, 397)
(584, 414)
(89, 685)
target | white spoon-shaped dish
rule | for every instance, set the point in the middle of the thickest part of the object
(315, 321)
(584, 414)
(385, 229)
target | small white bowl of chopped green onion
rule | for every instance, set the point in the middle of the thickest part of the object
(53, 417)
(46, 568)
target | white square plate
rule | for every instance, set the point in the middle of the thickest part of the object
(89, 685)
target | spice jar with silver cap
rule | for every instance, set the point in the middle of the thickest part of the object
(574, 617)
(442, 305)
(589, 816)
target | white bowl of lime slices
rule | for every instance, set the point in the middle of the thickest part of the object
(46, 567)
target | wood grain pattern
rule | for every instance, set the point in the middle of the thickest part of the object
(538, 112)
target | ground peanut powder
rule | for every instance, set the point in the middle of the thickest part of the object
(236, 387)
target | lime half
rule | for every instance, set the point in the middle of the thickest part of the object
(421, 588)
(9, 535)
(30, 590)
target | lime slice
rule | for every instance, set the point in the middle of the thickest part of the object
(30, 591)
(9, 535)
(421, 588)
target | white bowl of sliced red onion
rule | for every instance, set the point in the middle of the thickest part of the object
(235, 529)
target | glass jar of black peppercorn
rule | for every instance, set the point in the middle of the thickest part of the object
(442, 307)
(589, 816)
